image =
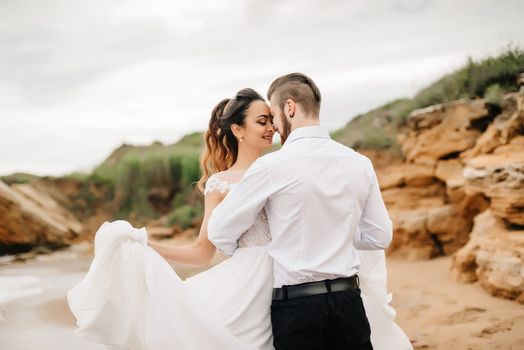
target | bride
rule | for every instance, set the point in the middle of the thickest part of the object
(131, 298)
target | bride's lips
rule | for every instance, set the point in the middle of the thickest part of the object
(268, 138)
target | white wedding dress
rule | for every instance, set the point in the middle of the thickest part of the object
(131, 298)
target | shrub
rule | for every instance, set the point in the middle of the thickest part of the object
(140, 170)
(493, 95)
(474, 79)
(489, 78)
(131, 188)
(184, 216)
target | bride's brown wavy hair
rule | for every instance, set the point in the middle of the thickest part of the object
(221, 146)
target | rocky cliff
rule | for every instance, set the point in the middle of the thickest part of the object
(460, 190)
(33, 218)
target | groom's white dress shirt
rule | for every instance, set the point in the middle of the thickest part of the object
(322, 201)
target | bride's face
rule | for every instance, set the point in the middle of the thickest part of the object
(258, 130)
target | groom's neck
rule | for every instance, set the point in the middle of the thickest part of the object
(302, 121)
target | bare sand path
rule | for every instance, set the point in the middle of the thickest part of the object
(434, 310)
(438, 312)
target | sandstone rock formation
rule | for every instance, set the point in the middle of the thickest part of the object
(442, 130)
(461, 190)
(425, 195)
(501, 178)
(505, 127)
(465, 149)
(494, 257)
(32, 218)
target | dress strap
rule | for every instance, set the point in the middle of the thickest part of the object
(214, 183)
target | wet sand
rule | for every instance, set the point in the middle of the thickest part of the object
(435, 311)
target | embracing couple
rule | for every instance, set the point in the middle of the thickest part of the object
(305, 228)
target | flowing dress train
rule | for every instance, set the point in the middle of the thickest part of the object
(131, 298)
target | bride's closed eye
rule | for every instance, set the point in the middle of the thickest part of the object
(263, 120)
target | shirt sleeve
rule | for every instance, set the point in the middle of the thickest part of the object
(375, 229)
(239, 209)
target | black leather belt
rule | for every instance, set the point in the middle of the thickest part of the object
(314, 288)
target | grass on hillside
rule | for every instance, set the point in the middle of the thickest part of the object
(18, 178)
(376, 129)
(487, 78)
(475, 78)
(138, 171)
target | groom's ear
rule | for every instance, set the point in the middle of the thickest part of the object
(290, 108)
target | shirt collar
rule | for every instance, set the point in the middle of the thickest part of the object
(316, 131)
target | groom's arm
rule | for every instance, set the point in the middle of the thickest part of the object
(239, 209)
(375, 229)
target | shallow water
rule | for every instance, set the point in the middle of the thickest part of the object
(34, 313)
(33, 303)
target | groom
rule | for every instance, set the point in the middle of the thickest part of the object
(322, 201)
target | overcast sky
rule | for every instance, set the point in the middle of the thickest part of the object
(79, 78)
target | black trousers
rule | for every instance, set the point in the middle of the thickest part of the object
(335, 320)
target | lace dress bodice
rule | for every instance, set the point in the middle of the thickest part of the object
(256, 235)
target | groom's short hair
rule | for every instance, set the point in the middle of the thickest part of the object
(298, 87)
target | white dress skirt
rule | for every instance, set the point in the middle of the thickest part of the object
(132, 299)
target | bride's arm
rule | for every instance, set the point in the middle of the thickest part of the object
(202, 250)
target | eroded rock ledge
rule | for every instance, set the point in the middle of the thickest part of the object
(31, 218)
(460, 191)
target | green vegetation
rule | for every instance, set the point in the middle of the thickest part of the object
(473, 80)
(489, 78)
(18, 178)
(493, 94)
(93, 192)
(147, 178)
(376, 129)
(185, 216)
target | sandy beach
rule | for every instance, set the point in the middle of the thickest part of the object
(438, 312)
(434, 310)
